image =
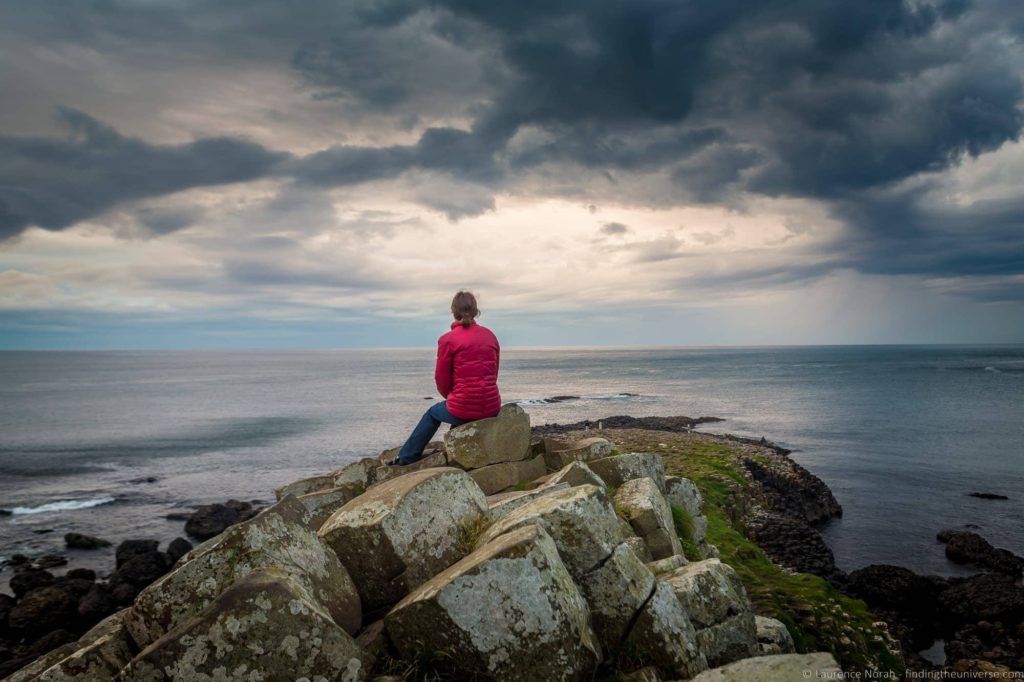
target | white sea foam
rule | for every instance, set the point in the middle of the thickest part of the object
(63, 505)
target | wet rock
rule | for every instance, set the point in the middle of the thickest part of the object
(141, 569)
(497, 477)
(621, 468)
(263, 627)
(905, 600)
(508, 611)
(80, 541)
(773, 637)
(988, 496)
(275, 538)
(211, 520)
(75, 587)
(784, 668)
(643, 506)
(580, 520)
(965, 547)
(321, 505)
(51, 561)
(504, 438)
(501, 504)
(96, 604)
(584, 450)
(663, 636)
(987, 596)
(401, 532)
(42, 610)
(713, 596)
(25, 580)
(178, 548)
(131, 548)
(81, 574)
(616, 591)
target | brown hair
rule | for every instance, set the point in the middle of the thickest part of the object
(464, 308)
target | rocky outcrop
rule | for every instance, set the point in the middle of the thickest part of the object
(616, 590)
(497, 477)
(641, 504)
(508, 611)
(558, 454)
(574, 473)
(321, 505)
(505, 438)
(502, 504)
(400, 533)
(663, 636)
(784, 668)
(773, 637)
(967, 547)
(213, 519)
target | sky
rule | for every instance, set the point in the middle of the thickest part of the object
(220, 173)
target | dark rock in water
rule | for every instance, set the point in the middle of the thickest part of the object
(178, 548)
(96, 604)
(76, 587)
(27, 579)
(5, 512)
(179, 516)
(42, 610)
(994, 643)
(211, 520)
(965, 547)
(122, 592)
(50, 641)
(42, 531)
(794, 491)
(904, 599)
(145, 479)
(988, 496)
(51, 561)
(563, 398)
(142, 569)
(987, 596)
(130, 548)
(18, 560)
(427, 397)
(80, 541)
(673, 424)
(81, 574)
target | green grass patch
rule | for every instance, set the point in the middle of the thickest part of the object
(684, 529)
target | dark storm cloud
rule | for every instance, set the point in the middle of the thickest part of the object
(55, 183)
(829, 100)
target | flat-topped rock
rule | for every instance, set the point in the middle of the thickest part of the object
(508, 611)
(264, 627)
(502, 504)
(668, 564)
(402, 532)
(497, 477)
(580, 520)
(714, 598)
(321, 505)
(773, 637)
(785, 668)
(581, 451)
(621, 468)
(304, 486)
(644, 507)
(616, 591)
(663, 636)
(504, 438)
(278, 538)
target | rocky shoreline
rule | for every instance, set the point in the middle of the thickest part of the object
(738, 490)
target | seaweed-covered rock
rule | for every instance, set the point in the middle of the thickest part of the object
(714, 598)
(616, 590)
(581, 451)
(497, 477)
(580, 520)
(644, 507)
(773, 637)
(504, 438)
(784, 668)
(621, 468)
(263, 627)
(508, 611)
(402, 532)
(276, 538)
(663, 636)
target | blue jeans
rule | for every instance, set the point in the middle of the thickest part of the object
(412, 451)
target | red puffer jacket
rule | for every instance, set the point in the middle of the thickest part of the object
(467, 371)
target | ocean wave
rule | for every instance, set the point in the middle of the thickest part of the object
(568, 398)
(62, 505)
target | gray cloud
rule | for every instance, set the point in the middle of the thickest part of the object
(614, 229)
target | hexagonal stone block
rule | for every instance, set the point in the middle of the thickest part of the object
(663, 636)
(400, 533)
(502, 504)
(278, 538)
(773, 637)
(785, 668)
(621, 468)
(359, 472)
(580, 520)
(643, 506)
(498, 477)
(684, 492)
(321, 505)
(304, 486)
(573, 473)
(616, 590)
(508, 611)
(263, 627)
(713, 596)
(581, 451)
(430, 460)
(504, 438)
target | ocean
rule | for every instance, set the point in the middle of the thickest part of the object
(108, 443)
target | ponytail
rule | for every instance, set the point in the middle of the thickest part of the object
(464, 308)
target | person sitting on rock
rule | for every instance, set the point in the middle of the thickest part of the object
(466, 376)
